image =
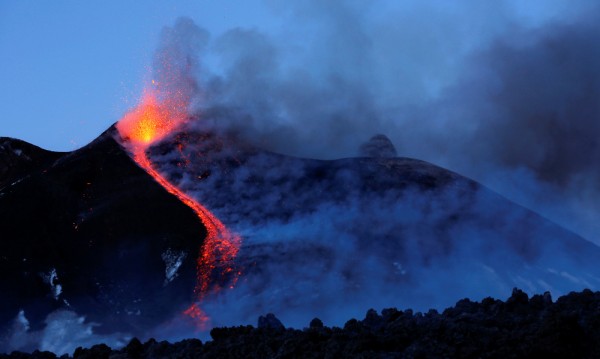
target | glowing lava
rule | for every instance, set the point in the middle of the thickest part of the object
(149, 122)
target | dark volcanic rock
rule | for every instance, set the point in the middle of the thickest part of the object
(568, 328)
(269, 321)
(88, 231)
(374, 229)
(379, 146)
(19, 158)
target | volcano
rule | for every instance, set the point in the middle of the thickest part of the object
(90, 231)
(327, 237)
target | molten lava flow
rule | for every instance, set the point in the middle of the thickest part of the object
(148, 123)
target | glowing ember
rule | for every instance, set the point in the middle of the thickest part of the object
(148, 123)
(198, 316)
(151, 120)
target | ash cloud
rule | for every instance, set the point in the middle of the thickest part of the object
(508, 100)
(543, 112)
(505, 93)
(350, 71)
(529, 120)
(176, 60)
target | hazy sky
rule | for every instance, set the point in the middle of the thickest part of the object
(69, 69)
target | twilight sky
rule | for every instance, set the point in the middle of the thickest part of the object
(69, 69)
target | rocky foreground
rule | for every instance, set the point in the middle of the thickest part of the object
(520, 327)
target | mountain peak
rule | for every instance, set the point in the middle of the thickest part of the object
(378, 146)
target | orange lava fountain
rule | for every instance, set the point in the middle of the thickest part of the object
(148, 123)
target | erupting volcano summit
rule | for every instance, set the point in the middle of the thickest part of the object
(151, 121)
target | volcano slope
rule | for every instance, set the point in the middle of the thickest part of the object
(331, 238)
(91, 232)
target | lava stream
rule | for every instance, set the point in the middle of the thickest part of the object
(220, 246)
(149, 122)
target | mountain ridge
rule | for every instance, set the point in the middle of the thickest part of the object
(90, 232)
(72, 215)
(519, 327)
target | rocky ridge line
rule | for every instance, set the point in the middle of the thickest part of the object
(520, 327)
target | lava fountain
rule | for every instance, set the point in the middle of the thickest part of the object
(153, 119)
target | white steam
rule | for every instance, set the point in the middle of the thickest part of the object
(63, 332)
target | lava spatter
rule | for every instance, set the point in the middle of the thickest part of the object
(152, 120)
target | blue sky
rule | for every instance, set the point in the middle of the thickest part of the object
(69, 69)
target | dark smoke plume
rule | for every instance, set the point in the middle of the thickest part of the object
(530, 112)
(487, 92)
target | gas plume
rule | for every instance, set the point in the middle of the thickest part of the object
(511, 104)
(504, 93)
